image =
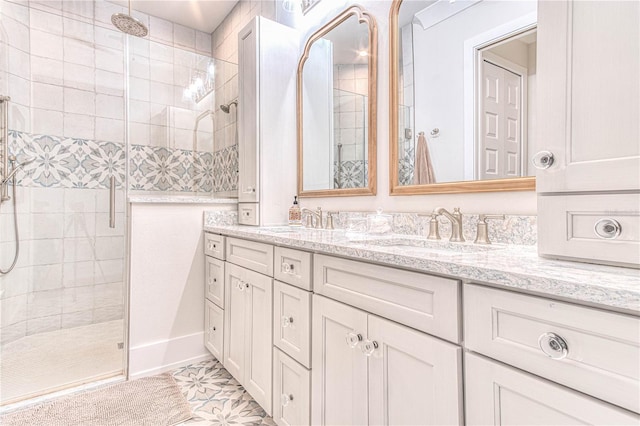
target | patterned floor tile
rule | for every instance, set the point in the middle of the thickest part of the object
(217, 398)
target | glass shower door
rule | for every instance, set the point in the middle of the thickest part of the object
(62, 320)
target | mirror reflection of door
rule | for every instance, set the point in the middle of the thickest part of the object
(505, 72)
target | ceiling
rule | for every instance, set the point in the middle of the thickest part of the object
(203, 15)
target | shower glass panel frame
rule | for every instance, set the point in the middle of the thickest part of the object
(63, 309)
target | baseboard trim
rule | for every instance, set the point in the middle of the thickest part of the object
(158, 357)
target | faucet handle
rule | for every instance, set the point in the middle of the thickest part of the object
(329, 224)
(485, 217)
(434, 228)
(482, 234)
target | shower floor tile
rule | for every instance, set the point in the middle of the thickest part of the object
(217, 398)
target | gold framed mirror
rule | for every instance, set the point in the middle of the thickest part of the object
(443, 137)
(337, 108)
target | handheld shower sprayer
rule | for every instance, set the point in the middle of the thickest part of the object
(15, 167)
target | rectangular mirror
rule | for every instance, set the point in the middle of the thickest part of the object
(462, 92)
(337, 108)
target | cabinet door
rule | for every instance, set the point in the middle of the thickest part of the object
(588, 85)
(214, 280)
(235, 315)
(291, 391)
(414, 378)
(501, 395)
(339, 373)
(214, 329)
(292, 322)
(248, 113)
(258, 338)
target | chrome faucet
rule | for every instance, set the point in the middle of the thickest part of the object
(314, 218)
(456, 223)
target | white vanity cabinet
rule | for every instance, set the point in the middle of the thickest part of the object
(588, 85)
(369, 370)
(267, 57)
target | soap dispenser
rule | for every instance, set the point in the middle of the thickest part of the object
(295, 214)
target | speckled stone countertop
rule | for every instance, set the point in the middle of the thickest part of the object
(179, 199)
(509, 266)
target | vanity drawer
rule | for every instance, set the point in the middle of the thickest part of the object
(250, 254)
(214, 245)
(213, 329)
(292, 322)
(603, 348)
(291, 391)
(424, 302)
(500, 395)
(248, 214)
(293, 267)
(604, 228)
(214, 280)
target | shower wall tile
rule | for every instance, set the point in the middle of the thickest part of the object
(46, 277)
(77, 319)
(77, 274)
(43, 324)
(43, 304)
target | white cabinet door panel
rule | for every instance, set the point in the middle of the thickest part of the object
(291, 391)
(501, 395)
(292, 322)
(235, 316)
(414, 378)
(339, 372)
(258, 338)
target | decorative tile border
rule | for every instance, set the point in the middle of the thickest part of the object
(352, 174)
(163, 169)
(87, 164)
(67, 162)
(225, 169)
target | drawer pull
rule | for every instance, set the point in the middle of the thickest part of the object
(353, 339)
(607, 228)
(210, 281)
(286, 399)
(240, 286)
(287, 268)
(553, 345)
(210, 246)
(369, 347)
(212, 330)
(286, 321)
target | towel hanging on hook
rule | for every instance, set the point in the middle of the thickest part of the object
(422, 167)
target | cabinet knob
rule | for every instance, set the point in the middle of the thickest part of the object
(210, 281)
(607, 228)
(553, 345)
(368, 347)
(246, 285)
(240, 286)
(287, 268)
(543, 160)
(286, 399)
(212, 330)
(210, 246)
(286, 321)
(353, 339)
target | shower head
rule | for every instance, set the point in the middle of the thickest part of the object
(128, 24)
(226, 108)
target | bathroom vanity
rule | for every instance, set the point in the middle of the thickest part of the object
(323, 329)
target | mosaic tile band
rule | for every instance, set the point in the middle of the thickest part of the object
(87, 164)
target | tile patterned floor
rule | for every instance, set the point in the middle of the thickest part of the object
(217, 398)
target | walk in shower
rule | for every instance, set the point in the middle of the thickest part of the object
(103, 116)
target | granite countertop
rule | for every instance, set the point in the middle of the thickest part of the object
(510, 266)
(179, 199)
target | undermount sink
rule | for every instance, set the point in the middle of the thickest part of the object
(429, 245)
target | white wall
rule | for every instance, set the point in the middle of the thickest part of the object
(508, 202)
(167, 286)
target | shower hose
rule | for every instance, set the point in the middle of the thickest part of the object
(15, 227)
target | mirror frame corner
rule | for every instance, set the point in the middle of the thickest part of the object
(495, 185)
(363, 17)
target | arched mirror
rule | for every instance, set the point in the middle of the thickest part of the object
(336, 99)
(462, 96)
